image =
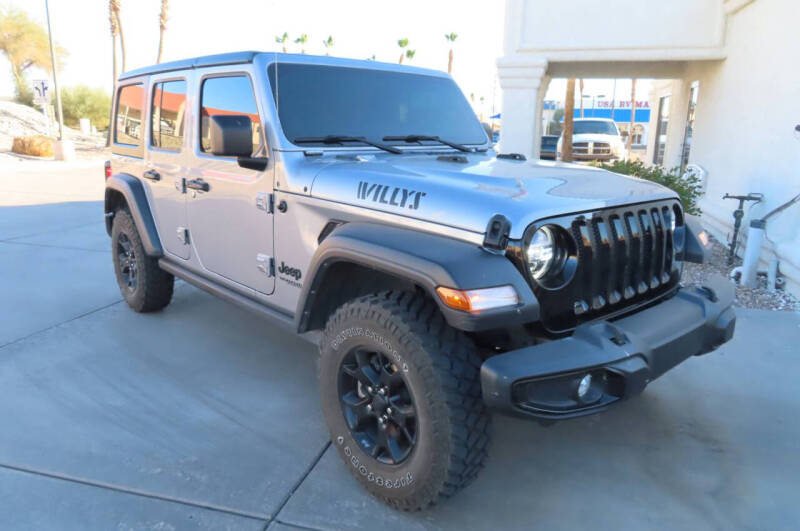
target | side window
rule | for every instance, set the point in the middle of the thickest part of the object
(128, 128)
(232, 95)
(166, 115)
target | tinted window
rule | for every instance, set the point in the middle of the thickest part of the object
(166, 115)
(129, 115)
(228, 96)
(584, 127)
(316, 100)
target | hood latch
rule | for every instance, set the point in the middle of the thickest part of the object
(497, 232)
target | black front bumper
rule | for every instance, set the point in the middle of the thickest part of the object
(622, 356)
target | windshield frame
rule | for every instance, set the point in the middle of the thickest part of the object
(280, 142)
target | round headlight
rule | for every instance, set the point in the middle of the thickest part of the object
(541, 252)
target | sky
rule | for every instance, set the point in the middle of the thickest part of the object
(360, 28)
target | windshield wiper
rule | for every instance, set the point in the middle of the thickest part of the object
(420, 138)
(340, 139)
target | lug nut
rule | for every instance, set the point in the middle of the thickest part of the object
(381, 391)
(388, 411)
(369, 407)
(369, 389)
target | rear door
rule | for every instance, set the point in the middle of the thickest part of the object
(229, 206)
(165, 166)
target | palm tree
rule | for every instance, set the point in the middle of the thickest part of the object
(281, 39)
(302, 40)
(114, 32)
(569, 112)
(451, 38)
(581, 82)
(633, 116)
(410, 54)
(115, 7)
(371, 58)
(328, 43)
(402, 43)
(162, 23)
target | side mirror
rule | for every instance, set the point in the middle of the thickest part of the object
(231, 135)
(489, 131)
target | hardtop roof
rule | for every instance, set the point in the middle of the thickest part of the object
(244, 57)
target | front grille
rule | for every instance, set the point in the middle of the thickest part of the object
(625, 257)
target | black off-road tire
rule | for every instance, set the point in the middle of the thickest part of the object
(441, 369)
(152, 289)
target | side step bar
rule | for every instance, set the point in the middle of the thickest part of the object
(280, 318)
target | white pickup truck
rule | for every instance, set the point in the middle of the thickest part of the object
(595, 139)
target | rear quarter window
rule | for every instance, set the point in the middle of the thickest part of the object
(128, 128)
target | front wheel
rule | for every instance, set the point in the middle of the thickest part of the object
(401, 396)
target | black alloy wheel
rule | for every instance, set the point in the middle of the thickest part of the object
(127, 261)
(377, 406)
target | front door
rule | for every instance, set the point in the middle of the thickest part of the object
(229, 209)
(165, 166)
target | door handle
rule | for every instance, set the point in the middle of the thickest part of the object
(153, 175)
(198, 184)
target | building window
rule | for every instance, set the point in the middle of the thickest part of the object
(661, 130)
(166, 117)
(129, 115)
(687, 135)
(231, 95)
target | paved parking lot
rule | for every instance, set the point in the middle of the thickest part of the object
(206, 417)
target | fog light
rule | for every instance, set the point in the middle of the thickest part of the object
(584, 385)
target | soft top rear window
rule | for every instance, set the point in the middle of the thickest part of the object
(321, 100)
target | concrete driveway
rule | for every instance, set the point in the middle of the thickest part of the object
(206, 417)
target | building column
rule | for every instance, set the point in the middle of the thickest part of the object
(524, 83)
(676, 129)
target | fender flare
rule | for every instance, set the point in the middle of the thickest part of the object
(427, 260)
(132, 190)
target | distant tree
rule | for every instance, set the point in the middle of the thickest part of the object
(451, 38)
(569, 112)
(302, 40)
(555, 123)
(25, 44)
(371, 57)
(281, 39)
(328, 43)
(410, 54)
(162, 25)
(84, 102)
(402, 43)
(115, 7)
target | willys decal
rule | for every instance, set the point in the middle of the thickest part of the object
(390, 195)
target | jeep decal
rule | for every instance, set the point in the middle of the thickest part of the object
(290, 271)
(389, 195)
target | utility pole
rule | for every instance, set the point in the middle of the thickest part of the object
(63, 149)
(55, 75)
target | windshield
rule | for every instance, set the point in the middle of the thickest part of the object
(318, 101)
(596, 127)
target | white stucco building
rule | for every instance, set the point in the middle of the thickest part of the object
(736, 61)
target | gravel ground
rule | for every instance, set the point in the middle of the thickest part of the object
(21, 120)
(759, 298)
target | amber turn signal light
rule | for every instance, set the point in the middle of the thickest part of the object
(476, 300)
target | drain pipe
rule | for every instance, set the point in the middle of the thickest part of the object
(752, 252)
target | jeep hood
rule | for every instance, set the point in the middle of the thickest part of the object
(467, 195)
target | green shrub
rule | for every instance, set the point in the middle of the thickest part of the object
(689, 188)
(84, 102)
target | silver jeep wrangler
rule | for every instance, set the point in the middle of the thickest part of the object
(365, 201)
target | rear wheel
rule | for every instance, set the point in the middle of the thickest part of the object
(401, 396)
(144, 286)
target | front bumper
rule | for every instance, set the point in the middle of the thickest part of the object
(622, 356)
